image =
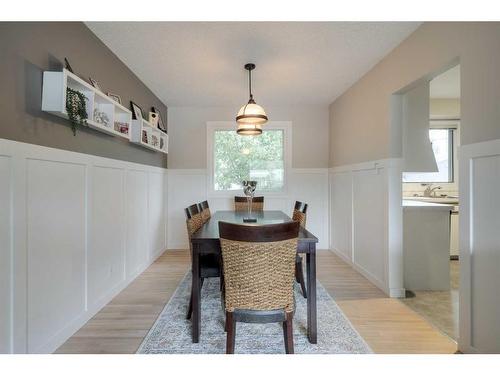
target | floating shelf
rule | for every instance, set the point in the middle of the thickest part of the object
(55, 85)
(146, 135)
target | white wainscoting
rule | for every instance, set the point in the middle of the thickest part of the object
(5, 253)
(75, 229)
(364, 227)
(188, 186)
(480, 247)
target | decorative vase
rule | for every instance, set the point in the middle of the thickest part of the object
(249, 190)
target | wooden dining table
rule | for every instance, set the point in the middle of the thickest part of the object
(206, 241)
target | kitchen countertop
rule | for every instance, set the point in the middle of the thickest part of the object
(410, 204)
(444, 200)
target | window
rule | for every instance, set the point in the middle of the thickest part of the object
(442, 145)
(238, 158)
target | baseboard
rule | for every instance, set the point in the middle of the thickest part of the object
(64, 334)
(365, 273)
(397, 292)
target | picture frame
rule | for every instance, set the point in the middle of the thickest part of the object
(136, 111)
(160, 125)
(67, 66)
(94, 83)
(153, 118)
(115, 97)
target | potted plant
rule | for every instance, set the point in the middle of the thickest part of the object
(76, 108)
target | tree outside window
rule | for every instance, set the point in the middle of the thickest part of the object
(259, 158)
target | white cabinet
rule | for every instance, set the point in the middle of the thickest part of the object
(426, 245)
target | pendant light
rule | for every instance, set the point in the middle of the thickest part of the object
(251, 116)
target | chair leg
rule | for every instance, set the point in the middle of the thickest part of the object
(190, 307)
(221, 278)
(288, 333)
(231, 332)
(299, 274)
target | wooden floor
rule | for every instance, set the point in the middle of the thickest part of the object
(386, 324)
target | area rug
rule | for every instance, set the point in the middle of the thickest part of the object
(171, 333)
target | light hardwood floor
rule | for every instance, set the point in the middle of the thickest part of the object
(386, 324)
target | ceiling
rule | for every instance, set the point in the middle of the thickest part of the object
(201, 63)
(446, 85)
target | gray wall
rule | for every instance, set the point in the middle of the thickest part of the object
(26, 50)
(360, 118)
(187, 127)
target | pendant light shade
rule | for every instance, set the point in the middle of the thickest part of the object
(251, 116)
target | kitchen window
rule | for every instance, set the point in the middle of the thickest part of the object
(442, 141)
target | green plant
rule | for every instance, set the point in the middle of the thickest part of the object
(76, 108)
(259, 158)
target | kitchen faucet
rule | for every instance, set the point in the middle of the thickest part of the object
(430, 191)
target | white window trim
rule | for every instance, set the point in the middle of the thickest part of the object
(212, 126)
(454, 124)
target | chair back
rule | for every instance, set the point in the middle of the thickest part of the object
(193, 222)
(241, 204)
(259, 265)
(300, 213)
(205, 211)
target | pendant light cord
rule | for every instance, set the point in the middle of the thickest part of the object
(250, 83)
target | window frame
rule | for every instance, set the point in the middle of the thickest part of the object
(452, 125)
(213, 126)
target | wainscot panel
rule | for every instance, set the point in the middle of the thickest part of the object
(188, 186)
(75, 230)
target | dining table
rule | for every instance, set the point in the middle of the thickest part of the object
(206, 241)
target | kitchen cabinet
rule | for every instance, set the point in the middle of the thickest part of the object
(426, 245)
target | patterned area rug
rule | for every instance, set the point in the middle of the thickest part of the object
(171, 333)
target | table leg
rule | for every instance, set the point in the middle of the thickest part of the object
(196, 287)
(312, 325)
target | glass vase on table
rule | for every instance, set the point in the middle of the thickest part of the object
(249, 190)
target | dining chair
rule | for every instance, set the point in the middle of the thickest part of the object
(300, 215)
(241, 204)
(210, 264)
(204, 210)
(258, 263)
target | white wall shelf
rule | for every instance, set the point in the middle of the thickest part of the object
(55, 85)
(146, 135)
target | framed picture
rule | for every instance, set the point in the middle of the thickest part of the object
(67, 66)
(136, 111)
(161, 125)
(153, 119)
(115, 97)
(94, 83)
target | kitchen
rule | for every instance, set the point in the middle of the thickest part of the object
(431, 206)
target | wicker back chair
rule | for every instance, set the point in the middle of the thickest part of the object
(205, 211)
(259, 263)
(210, 264)
(194, 221)
(300, 215)
(241, 204)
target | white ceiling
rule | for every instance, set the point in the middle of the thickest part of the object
(201, 63)
(446, 85)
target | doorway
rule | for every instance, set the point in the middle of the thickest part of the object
(431, 264)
